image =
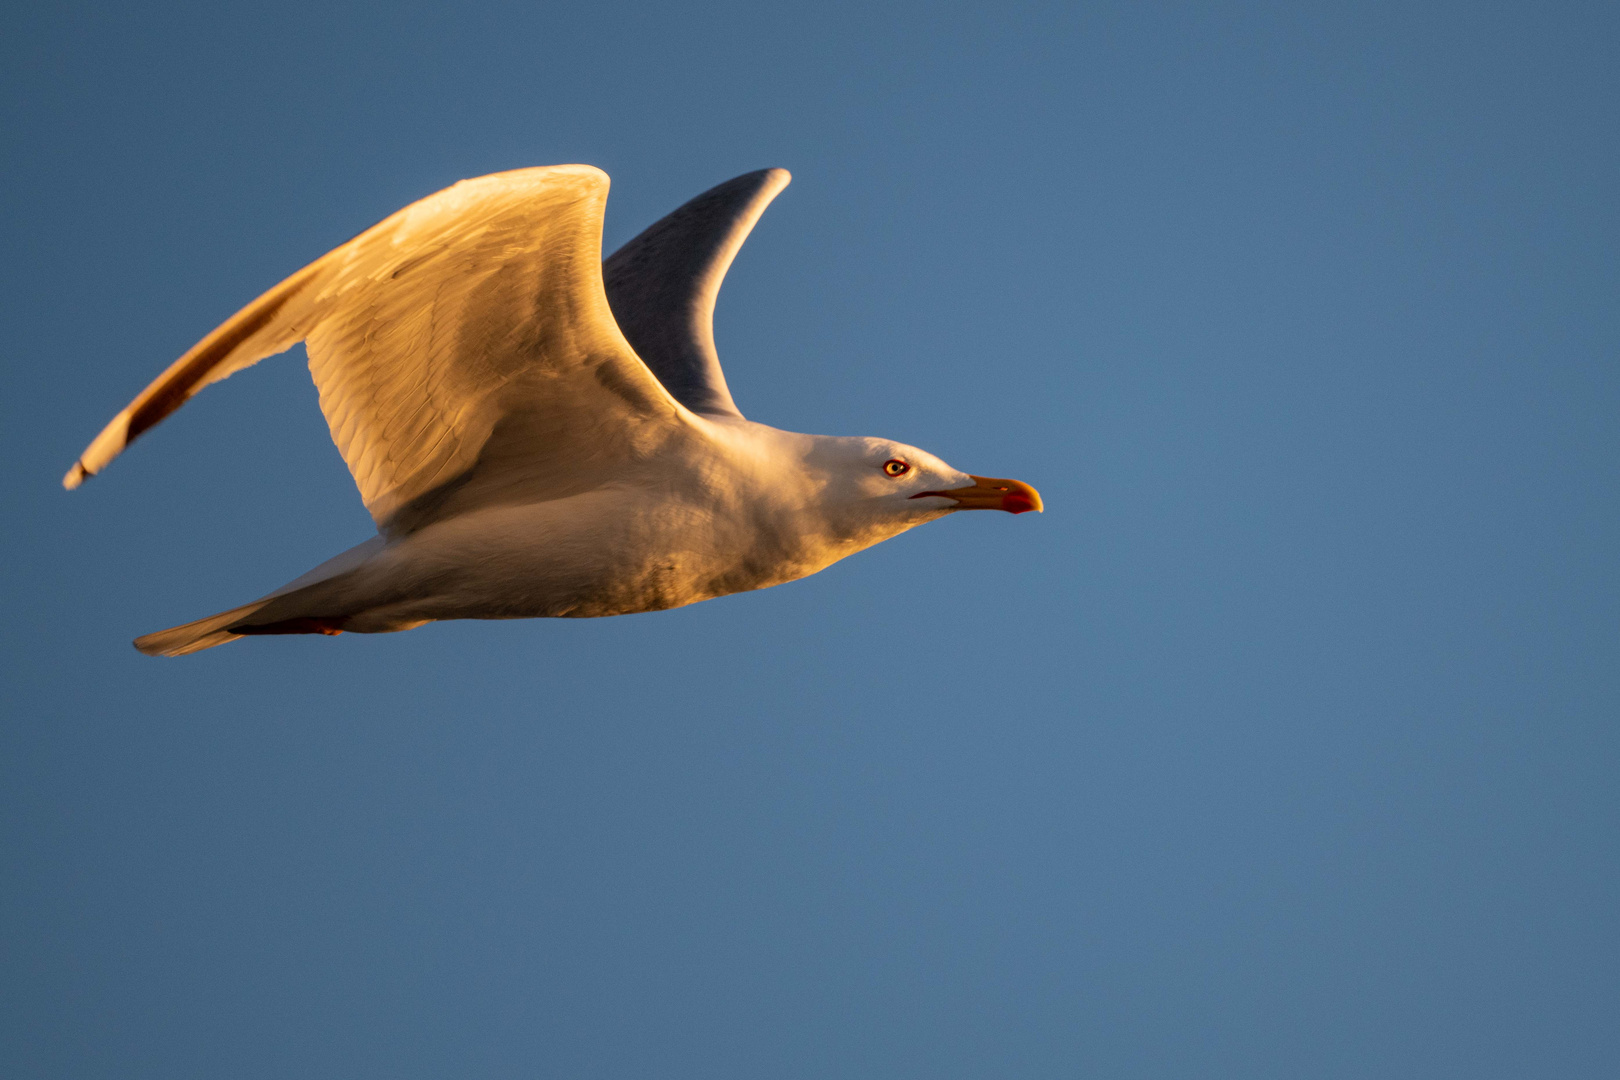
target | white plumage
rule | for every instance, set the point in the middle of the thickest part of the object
(518, 455)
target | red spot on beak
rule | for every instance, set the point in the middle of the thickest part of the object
(1015, 503)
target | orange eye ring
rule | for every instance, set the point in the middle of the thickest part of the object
(895, 468)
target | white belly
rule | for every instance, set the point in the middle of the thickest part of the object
(610, 552)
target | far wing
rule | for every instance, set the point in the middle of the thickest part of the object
(663, 285)
(465, 337)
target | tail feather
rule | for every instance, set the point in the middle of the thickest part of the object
(299, 605)
(195, 636)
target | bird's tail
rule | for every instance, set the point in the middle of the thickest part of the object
(195, 636)
(299, 605)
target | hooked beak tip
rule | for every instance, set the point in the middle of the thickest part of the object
(1018, 504)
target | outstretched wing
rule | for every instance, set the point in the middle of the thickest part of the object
(663, 285)
(457, 344)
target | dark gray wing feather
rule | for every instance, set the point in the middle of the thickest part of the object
(662, 286)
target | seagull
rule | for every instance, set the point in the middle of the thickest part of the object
(539, 433)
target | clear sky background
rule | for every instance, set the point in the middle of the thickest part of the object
(1286, 743)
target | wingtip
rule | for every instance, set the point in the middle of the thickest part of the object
(770, 181)
(102, 449)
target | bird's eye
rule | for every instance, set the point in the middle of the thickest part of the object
(895, 467)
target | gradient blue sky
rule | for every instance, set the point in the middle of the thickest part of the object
(1286, 743)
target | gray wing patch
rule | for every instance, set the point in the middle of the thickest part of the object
(662, 286)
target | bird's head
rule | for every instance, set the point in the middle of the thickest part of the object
(879, 483)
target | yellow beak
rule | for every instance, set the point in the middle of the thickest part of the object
(988, 493)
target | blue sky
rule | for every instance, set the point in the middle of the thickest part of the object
(1283, 744)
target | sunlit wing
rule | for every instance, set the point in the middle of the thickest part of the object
(464, 350)
(663, 285)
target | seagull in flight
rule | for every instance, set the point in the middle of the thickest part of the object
(539, 433)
